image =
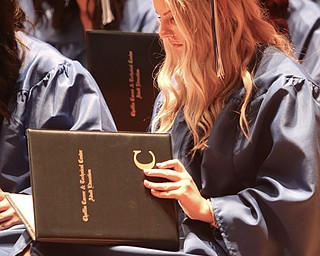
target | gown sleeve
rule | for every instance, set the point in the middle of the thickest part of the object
(68, 98)
(277, 211)
(53, 93)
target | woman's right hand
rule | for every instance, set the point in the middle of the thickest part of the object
(180, 187)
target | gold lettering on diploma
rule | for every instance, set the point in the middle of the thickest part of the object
(90, 186)
(80, 157)
(86, 186)
(135, 86)
(82, 175)
(142, 166)
(85, 215)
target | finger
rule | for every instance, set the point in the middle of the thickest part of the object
(13, 221)
(4, 205)
(162, 194)
(169, 194)
(163, 173)
(171, 164)
(1, 195)
(171, 191)
(163, 186)
(7, 215)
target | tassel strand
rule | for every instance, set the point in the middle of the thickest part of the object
(218, 65)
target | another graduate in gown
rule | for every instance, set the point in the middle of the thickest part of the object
(40, 88)
(245, 122)
(300, 21)
(317, 1)
(304, 28)
(63, 23)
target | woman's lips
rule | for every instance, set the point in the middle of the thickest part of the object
(176, 45)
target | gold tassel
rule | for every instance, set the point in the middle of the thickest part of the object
(218, 65)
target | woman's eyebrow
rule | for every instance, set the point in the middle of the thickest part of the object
(165, 14)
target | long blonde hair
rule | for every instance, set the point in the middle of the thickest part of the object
(198, 91)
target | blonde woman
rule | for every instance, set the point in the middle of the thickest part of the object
(244, 119)
(245, 126)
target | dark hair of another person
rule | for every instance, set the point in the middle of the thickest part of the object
(277, 11)
(64, 12)
(11, 20)
(62, 15)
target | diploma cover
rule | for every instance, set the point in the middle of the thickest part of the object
(87, 187)
(124, 65)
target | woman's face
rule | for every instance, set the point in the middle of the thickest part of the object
(168, 27)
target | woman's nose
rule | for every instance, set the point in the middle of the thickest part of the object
(164, 30)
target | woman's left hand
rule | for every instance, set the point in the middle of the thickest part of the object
(180, 187)
(8, 216)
